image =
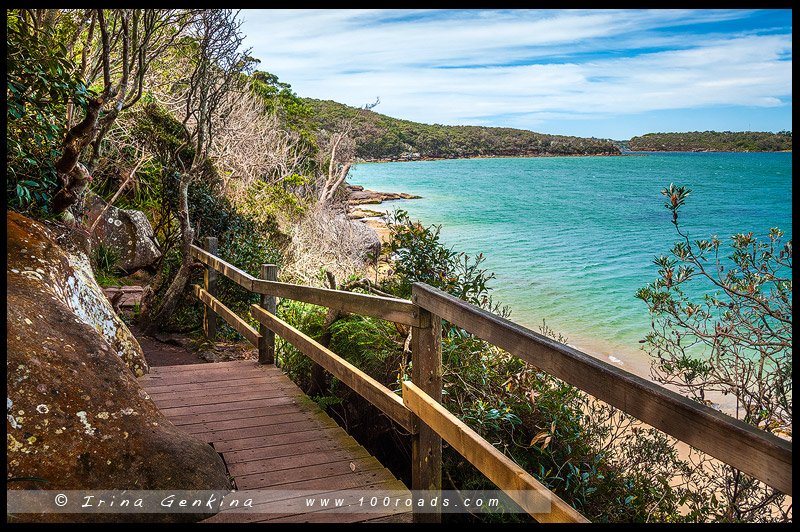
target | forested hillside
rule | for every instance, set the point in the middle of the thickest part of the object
(743, 141)
(381, 137)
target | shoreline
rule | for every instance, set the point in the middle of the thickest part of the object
(631, 153)
(417, 159)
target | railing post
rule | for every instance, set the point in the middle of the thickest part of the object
(426, 445)
(266, 348)
(210, 285)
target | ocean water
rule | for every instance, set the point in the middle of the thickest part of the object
(571, 239)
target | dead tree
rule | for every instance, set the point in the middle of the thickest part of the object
(342, 157)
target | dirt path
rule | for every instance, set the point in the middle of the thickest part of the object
(178, 349)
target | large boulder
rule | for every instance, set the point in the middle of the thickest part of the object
(126, 231)
(76, 416)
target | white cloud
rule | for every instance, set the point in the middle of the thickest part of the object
(457, 67)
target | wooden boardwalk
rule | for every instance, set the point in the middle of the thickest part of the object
(271, 436)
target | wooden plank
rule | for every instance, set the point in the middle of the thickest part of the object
(291, 449)
(360, 382)
(525, 490)
(285, 438)
(191, 387)
(221, 407)
(212, 368)
(426, 445)
(228, 315)
(159, 387)
(320, 473)
(224, 377)
(293, 446)
(233, 273)
(243, 413)
(357, 456)
(194, 387)
(198, 397)
(277, 418)
(753, 451)
(385, 308)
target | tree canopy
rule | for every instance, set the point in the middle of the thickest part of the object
(743, 141)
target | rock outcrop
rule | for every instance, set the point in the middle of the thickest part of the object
(358, 196)
(76, 415)
(126, 231)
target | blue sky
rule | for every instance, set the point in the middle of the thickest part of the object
(602, 73)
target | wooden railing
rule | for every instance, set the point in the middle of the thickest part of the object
(753, 451)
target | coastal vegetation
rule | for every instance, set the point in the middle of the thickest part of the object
(380, 137)
(165, 115)
(742, 141)
(735, 340)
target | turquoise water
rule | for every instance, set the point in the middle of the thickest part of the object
(571, 239)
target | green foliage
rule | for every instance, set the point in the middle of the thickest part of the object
(722, 324)
(280, 99)
(742, 141)
(161, 134)
(587, 453)
(308, 319)
(367, 344)
(421, 257)
(40, 85)
(381, 137)
(265, 202)
(104, 263)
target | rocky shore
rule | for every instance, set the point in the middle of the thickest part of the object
(358, 197)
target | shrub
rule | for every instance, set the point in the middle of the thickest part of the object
(40, 84)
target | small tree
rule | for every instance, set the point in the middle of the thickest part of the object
(734, 340)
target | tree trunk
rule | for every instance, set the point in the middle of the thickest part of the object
(175, 291)
(73, 175)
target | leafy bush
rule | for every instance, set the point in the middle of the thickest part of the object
(40, 85)
(723, 325)
(420, 257)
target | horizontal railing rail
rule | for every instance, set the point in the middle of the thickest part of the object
(385, 308)
(364, 385)
(745, 447)
(755, 452)
(531, 495)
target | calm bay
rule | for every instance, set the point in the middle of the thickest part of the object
(571, 239)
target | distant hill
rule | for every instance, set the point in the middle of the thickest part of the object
(379, 137)
(745, 141)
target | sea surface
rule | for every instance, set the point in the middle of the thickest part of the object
(571, 239)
